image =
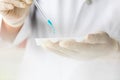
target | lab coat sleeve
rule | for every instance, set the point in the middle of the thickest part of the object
(24, 33)
(26, 30)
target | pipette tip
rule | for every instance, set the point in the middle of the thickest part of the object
(51, 25)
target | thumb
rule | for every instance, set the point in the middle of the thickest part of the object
(100, 37)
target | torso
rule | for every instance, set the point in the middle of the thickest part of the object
(72, 21)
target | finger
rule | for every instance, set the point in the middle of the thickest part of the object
(100, 37)
(12, 1)
(67, 43)
(93, 38)
(78, 46)
(102, 32)
(19, 4)
(55, 47)
(86, 50)
(6, 6)
(28, 1)
(16, 3)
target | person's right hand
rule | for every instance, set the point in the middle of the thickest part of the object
(14, 12)
(95, 45)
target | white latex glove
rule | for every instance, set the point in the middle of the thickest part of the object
(93, 46)
(14, 12)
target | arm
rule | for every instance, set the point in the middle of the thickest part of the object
(8, 33)
(13, 14)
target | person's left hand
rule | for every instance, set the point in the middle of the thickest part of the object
(93, 46)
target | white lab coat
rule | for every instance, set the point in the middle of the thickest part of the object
(71, 18)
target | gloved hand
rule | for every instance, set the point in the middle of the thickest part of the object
(14, 12)
(93, 46)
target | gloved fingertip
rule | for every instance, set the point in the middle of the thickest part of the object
(90, 36)
(101, 32)
(29, 1)
(66, 43)
(23, 5)
(20, 4)
(10, 7)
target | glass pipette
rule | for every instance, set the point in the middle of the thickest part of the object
(49, 22)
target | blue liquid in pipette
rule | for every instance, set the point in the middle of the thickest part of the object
(51, 25)
(48, 20)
